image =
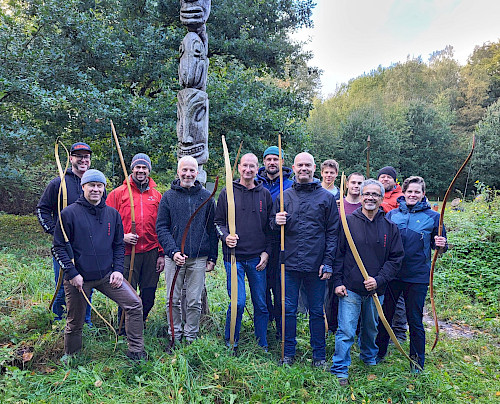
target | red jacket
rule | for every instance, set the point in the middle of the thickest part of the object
(146, 208)
(391, 199)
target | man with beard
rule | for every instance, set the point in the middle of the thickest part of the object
(47, 210)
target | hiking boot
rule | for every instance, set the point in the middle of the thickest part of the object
(137, 356)
(343, 381)
(320, 364)
(67, 359)
(379, 359)
(287, 360)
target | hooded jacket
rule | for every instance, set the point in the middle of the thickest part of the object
(46, 210)
(311, 229)
(253, 207)
(176, 207)
(273, 186)
(417, 225)
(391, 198)
(146, 203)
(95, 235)
(380, 247)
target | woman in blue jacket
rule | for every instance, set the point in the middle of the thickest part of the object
(418, 225)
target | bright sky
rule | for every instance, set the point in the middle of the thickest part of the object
(352, 37)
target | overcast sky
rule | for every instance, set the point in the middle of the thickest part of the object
(352, 37)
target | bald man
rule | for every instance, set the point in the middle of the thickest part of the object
(311, 223)
(252, 244)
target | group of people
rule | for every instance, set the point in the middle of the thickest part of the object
(393, 229)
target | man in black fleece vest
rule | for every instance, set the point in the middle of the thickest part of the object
(95, 239)
(252, 244)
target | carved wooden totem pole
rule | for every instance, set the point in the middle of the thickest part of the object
(192, 100)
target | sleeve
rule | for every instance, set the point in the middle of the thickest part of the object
(47, 205)
(435, 233)
(272, 217)
(331, 234)
(220, 218)
(118, 245)
(61, 250)
(270, 236)
(164, 228)
(212, 234)
(338, 264)
(392, 265)
(111, 200)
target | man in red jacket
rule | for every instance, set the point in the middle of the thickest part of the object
(387, 176)
(149, 258)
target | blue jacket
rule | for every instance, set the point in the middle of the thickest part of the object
(95, 236)
(311, 227)
(417, 226)
(273, 186)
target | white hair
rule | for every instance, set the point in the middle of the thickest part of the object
(185, 159)
(371, 181)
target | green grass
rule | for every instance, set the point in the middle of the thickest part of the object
(459, 370)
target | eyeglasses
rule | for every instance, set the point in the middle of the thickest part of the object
(371, 194)
(81, 156)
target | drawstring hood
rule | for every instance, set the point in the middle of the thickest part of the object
(95, 210)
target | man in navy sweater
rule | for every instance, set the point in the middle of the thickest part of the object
(95, 240)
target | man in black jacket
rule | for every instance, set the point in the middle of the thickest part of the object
(95, 240)
(311, 224)
(47, 209)
(379, 244)
(177, 205)
(252, 244)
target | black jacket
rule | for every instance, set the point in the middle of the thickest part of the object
(46, 210)
(176, 206)
(95, 236)
(311, 228)
(253, 207)
(380, 247)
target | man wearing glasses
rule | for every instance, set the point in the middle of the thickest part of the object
(379, 244)
(46, 210)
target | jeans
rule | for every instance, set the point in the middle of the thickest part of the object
(351, 307)
(314, 290)
(257, 283)
(414, 295)
(59, 302)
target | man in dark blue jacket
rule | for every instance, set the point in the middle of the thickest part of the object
(311, 224)
(418, 225)
(47, 209)
(252, 244)
(269, 175)
(379, 244)
(95, 240)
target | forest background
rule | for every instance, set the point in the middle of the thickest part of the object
(67, 67)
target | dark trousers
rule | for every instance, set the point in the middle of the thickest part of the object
(399, 320)
(414, 295)
(331, 306)
(125, 296)
(145, 276)
(273, 290)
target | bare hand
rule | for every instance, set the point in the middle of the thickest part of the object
(131, 238)
(341, 291)
(116, 279)
(264, 257)
(77, 282)
(370, 284)
(231, 241)
(160, 264)
(281, 218)
(179, 259)
(324, 275)
(440, 241)
(210, 266)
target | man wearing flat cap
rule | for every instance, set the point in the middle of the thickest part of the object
(47, 211)
(149, 258)
(93, 258)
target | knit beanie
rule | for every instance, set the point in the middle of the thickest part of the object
(93, 176)
(141, 158)
(389, 171)
(273, 150)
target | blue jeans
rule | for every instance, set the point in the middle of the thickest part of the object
(314, 289)
(60, 301)
(414, 295)
(350, 309)
(257, 283)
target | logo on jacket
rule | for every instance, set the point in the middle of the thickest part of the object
(109, 229)
(260, 206)
(385, 240)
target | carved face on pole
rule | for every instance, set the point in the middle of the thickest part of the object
(195, 12)
(192, 124)
(193, 64)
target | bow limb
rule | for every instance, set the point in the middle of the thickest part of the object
(364, 272)
(282, 250)
(177, 267)
(132, 211)
(368, 144)
(237, 157)
(440, 232)
(231, 221)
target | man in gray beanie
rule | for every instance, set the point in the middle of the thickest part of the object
(93, 258)
(149, 258)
